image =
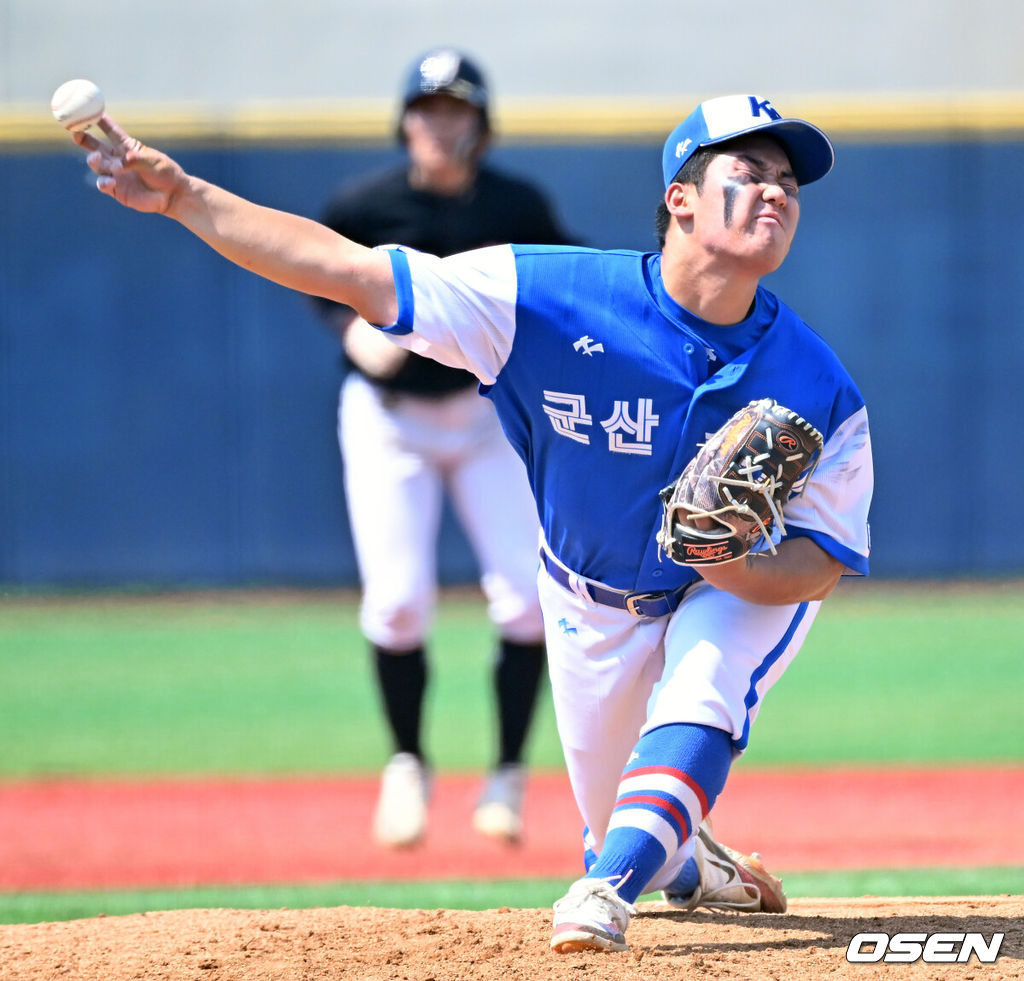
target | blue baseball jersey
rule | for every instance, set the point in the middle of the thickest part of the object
(606, 386)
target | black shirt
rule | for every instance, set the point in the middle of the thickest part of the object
(383, 209)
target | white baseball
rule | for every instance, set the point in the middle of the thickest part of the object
(77, 104)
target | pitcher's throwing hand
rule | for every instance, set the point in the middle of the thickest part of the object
(135, 175)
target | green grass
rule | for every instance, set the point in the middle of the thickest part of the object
(260, 683)
(902, 674)
(235, 684)
(37, 907)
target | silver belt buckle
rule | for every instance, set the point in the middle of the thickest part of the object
(635, 598)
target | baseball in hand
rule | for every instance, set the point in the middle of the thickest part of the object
(77, 104)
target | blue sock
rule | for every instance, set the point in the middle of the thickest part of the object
(670, 784)
(589, 855)
(688, 879)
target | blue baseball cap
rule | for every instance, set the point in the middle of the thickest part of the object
(810, 151)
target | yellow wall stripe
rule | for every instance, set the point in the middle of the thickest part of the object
(876, 118)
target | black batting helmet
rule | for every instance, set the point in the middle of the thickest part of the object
(445, 71)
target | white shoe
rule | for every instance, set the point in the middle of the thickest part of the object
(591, 916)
(499, 812)
(729, 880)
(401, 815)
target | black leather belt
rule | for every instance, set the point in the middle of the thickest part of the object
(638, 604)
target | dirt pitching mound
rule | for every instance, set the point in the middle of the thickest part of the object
(808, 942)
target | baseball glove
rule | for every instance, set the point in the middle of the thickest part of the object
(731, 493)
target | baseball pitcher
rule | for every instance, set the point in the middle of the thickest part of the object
(674, 595)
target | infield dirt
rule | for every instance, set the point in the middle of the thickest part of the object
(808, 942)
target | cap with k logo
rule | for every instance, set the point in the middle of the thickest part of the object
(717, 120)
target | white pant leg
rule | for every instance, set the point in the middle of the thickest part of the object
(394, 494)
(722, 656)
(614, 677)
(603, 665)
(492, 498)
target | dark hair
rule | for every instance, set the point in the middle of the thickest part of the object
(692, 172)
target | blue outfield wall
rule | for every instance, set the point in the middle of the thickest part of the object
(169, 420)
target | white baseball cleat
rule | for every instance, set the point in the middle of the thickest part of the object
(499, 812)
(591, 916)
(401, 816)
(729, 880)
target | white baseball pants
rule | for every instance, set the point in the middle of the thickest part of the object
(614, 677)
(400, 455)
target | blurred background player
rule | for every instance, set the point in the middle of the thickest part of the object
(411, 429)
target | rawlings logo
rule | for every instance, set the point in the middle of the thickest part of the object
(787, 441)
(709, 553)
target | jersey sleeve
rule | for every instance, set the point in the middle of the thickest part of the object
(460, 310)
(833, 507)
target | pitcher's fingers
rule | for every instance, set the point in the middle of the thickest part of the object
(87, 141)
(127, 148)
(107, 185)
(103, 160)
(113, 129)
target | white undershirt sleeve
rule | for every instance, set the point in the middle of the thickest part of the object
(836, 499)
(459, 310)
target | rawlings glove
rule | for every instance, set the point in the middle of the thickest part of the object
(731, 493)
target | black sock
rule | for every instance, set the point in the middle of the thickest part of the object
(517, 675)
(402, 676)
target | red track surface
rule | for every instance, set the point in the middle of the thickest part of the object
(62, 834)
